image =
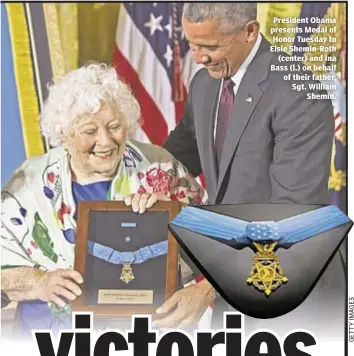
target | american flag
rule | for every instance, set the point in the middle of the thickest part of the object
(153, 57)
(150, 51)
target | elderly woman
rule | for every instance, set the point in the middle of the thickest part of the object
(87, 118)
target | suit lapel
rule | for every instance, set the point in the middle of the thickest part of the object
(248, 95)
(207, 154)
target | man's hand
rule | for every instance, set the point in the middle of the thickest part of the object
(141, 202)
(191, 303)
(56, 285)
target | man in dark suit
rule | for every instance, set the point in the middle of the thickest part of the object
(254, 137)
(277, 143)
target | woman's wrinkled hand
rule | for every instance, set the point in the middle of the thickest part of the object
(56, 285)
(190, 304)
(142, 201)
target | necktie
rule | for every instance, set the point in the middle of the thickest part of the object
(224, 113)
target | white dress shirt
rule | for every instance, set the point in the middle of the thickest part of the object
(236, 78)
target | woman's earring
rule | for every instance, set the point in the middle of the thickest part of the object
(72, 132)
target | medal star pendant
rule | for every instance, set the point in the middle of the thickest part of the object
(127, 274)
(266, 274)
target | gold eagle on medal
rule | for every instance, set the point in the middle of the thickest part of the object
(266, 274)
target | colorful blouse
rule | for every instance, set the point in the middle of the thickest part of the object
(39, 207)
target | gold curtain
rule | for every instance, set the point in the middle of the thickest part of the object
(97, 31)
(79, 33)
(62, 31)
(267, 12)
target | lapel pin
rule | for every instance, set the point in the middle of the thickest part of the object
(249, 99)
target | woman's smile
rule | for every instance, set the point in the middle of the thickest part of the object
(105, 155)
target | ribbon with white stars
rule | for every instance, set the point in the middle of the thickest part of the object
(287, 231)
(111, 255)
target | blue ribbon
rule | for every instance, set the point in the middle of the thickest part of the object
(111, 255)
(287, 231)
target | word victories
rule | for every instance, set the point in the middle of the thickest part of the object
(141, 335)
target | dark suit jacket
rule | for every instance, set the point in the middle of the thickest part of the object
(277, 149)
(278, 146)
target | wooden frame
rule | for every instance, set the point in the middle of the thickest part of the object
(85, 208)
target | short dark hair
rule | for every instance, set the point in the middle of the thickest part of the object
(231, 16)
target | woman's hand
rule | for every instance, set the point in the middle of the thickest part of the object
(190, 303)
(140, 202)
(56, 285)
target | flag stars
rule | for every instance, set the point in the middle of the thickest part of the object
(154, 24)
(180, 30)
(168, 55)
(168, 28)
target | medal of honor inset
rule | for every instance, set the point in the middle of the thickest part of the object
(260, 257)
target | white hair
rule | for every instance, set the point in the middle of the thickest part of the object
(82, 91)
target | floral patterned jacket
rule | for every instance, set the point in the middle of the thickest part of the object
(38, 208)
